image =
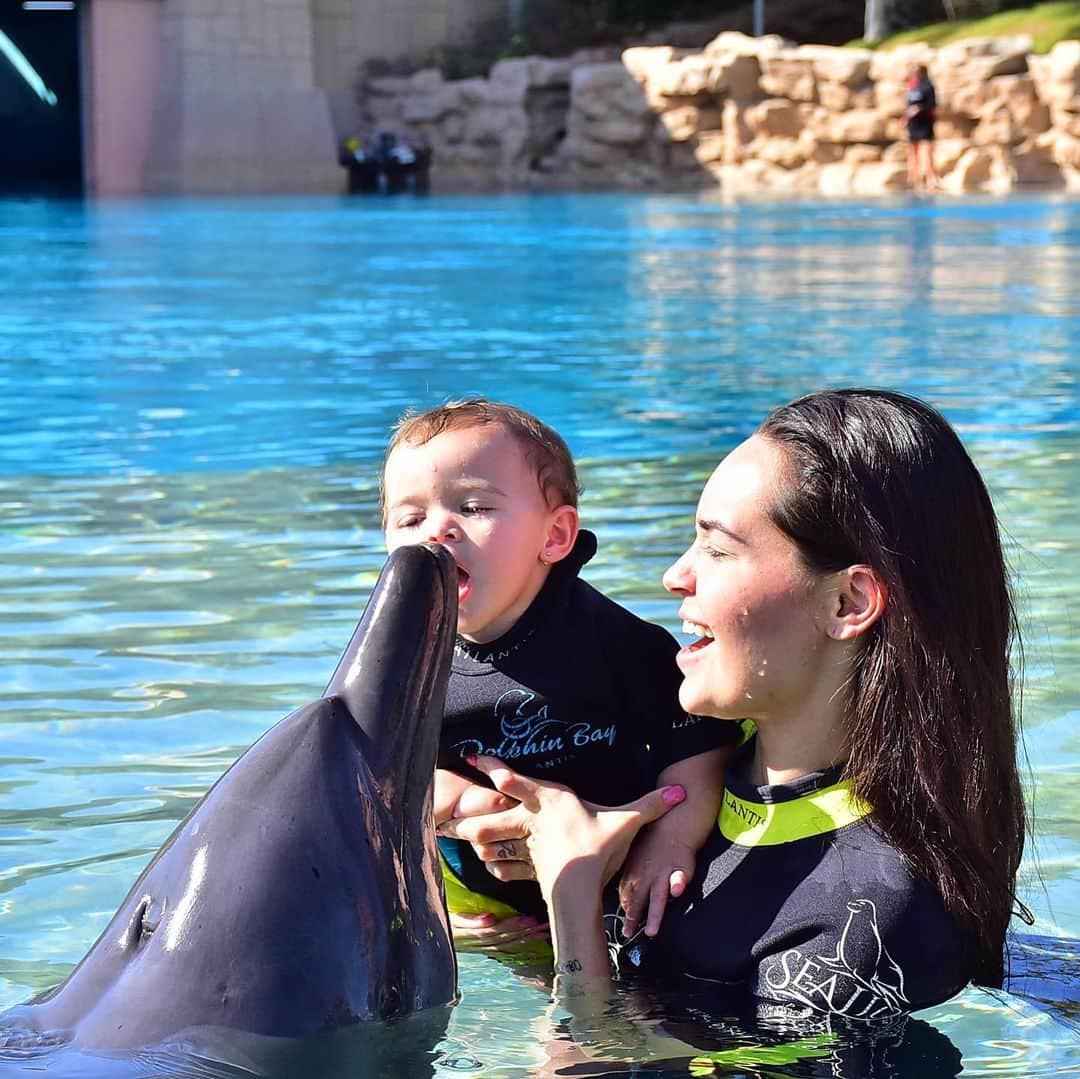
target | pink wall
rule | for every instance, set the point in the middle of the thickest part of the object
(120, 73)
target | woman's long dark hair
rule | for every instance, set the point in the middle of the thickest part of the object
(881, 479)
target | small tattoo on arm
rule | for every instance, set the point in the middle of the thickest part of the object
(571, 966)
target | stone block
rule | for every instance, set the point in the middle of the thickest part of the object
(1033, 162)
(690, 77)
(821, 153)
(431, 107)
(843, 67)
(947, 152)
(452, 127)
(890, 97)
(862, 154)
(979, 168)
(879, 178)
(738, 77)
(856, 125)
(788, 75)
(732, 42)
(685, 122)
(836, 180)
(787, 153)
(1066, 150)
(893, 65)
(1057, 75)
(1064, 122)
(983, 58)
(644, 62)
(775, 117)
(946, 126)
(491, 126)
(711, 147)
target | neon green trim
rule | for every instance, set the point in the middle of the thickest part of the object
(756, 824)
(747, 730)
(820, 1045)
(462, 900)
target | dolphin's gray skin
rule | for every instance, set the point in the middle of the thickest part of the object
(303, 893)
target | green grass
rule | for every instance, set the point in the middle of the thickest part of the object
(1046, 23)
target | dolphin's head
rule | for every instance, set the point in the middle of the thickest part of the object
(303, 892)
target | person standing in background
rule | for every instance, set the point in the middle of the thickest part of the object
(919, 117)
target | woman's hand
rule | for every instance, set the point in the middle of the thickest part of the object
(574, 848)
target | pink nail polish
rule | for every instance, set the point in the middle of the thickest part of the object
(674, 795)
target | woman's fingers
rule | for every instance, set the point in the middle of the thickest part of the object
(492, 828)
(505, 850)
(511, 870)
(520, 788)
(655, 804)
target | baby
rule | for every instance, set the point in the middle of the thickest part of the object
(548, 674)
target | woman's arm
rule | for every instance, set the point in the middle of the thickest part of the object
(574, 848)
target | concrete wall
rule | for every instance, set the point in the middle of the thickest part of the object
(118, 117)
(242, 95)
(348, 33)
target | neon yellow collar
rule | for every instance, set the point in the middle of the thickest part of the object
(758, 824)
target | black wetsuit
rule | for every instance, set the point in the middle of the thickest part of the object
(580, 691)
(921, 125)
(798, 899)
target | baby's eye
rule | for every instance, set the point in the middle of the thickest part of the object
(411, 521)
(473, 508)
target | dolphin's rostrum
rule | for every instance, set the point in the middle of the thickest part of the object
(303, 892)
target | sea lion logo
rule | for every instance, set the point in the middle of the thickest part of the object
(860, 980)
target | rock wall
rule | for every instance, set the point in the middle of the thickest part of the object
(748, 114)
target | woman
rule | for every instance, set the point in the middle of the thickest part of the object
(848, 594)
(919, 117)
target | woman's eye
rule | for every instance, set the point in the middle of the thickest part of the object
(713, 552)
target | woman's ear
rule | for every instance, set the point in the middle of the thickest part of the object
(857, 599)
(562, 533)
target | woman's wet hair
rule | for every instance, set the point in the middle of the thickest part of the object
(881, 479)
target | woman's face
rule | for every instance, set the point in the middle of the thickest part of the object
(757, 611)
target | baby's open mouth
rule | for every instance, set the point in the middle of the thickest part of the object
(462, 583)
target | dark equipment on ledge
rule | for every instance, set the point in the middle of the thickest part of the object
(385, 165)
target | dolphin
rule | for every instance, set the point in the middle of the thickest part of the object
(302, 894)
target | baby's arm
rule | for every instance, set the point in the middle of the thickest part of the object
(449, 787)
(661, 863)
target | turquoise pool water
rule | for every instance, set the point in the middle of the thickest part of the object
(193, 401)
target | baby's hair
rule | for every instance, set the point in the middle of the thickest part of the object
(544, 447)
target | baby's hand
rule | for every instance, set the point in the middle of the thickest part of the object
(659, 867)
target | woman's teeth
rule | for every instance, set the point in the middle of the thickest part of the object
(692, 629)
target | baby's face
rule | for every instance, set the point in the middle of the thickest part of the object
(473, 491)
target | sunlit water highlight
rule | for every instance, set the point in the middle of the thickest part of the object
(193, 401)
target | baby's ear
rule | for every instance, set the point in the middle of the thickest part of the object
(562, 533)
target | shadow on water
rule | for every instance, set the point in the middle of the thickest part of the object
(638, 1032)
(402, 1048)
(1046, 971)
